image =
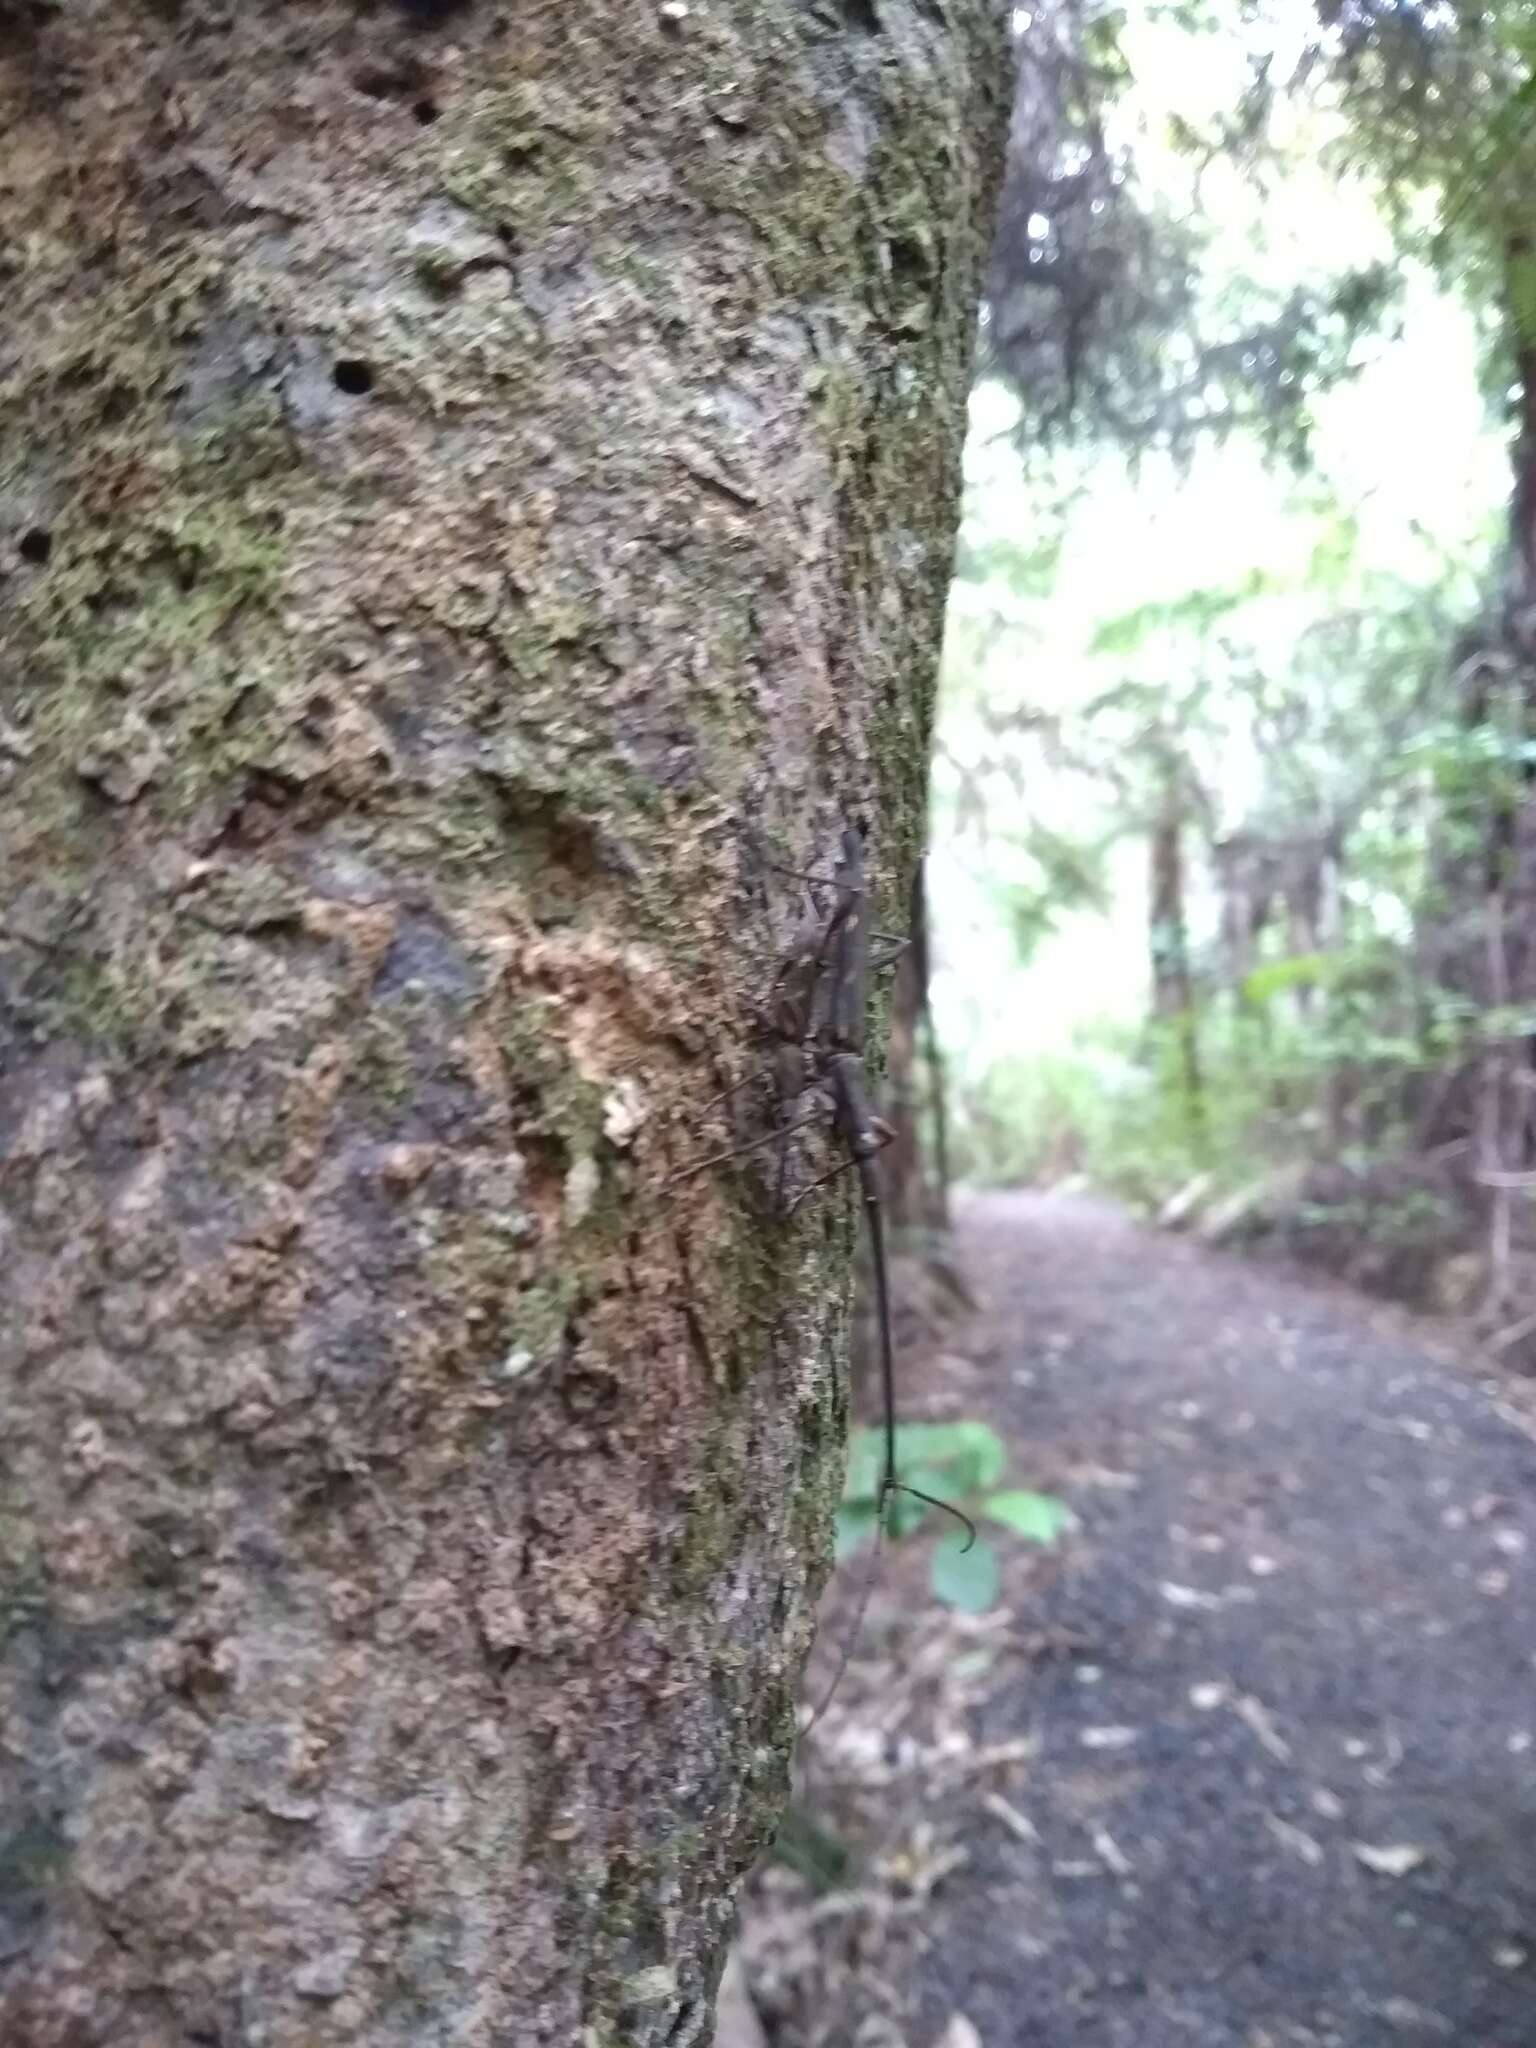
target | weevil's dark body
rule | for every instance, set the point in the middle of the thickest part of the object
(817, 1020)
(844, 992)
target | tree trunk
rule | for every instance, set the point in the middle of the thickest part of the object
(1173, 1002)
(476, 487)
(1518, 257)
(915, 1165)
(930, 1055)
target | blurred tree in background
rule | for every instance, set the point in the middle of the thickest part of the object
(1243, 646)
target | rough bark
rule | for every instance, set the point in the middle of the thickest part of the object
(475, 485)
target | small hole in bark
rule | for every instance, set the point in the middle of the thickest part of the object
(316, 721)
(36, 546)
(353, 376)
(406, 78)
(425, 112)
(430, 13)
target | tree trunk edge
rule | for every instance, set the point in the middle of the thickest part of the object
(413, 1513)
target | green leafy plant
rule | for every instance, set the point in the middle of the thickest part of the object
(963, 1463)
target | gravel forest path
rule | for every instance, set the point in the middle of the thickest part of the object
(1250, 1762)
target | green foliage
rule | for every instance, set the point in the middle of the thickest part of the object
(1192, 611)
(967, 1579)
(1113, 1112)
(1068, 875)
(1283, 977)
(1003, 563)
(958, 1462)
(1038, 1516)
(1108, 308)
(1335, 550)
(1303, 739)
(807, 1846)
(1478, 765)
(1439, 103)
(1281, 1084)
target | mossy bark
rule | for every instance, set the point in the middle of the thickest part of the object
(476, 490)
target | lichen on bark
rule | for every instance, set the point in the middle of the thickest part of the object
(476, 486)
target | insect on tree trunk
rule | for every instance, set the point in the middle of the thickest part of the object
(476, 485)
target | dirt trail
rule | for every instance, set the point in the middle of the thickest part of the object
(1252, 1763)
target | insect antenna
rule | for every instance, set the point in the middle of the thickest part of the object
(737, 1151)
(944, 1507)
(854, 1630)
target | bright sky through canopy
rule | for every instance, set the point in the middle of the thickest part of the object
(1404, 453)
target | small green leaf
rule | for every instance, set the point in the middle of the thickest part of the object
(1277, 977)
(967, 1579)
(1039, 1516)
(971, 1454)
(855, 1525)
(988, 1454)
(904, 1515)
(865, 1454)
(803, 1844)
(938, 1481)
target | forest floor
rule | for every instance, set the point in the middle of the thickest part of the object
(1249, 1760)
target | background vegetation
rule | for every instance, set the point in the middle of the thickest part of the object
(1234, 884)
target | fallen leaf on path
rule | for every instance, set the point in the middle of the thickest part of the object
(1257, 1716)
(1102, 1475)
(1380, 1774)
(959, 2034)
(1296, 1839)
(1015, 1822)
(1113, 1855)
(1019, 1749)
(1409, 2018)
(1187, 1596)
(1390, 1859)
(1108, 1738)
(1206, 1698)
